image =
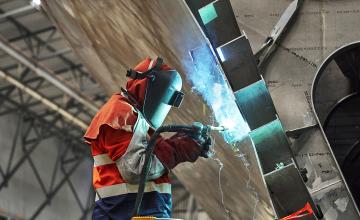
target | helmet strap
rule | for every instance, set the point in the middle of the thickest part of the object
(131, 99)
(148, 74)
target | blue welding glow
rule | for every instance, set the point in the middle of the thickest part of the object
(207, 80)
(220, 53)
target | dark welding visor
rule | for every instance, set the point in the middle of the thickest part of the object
(176, 99)
(163, 92)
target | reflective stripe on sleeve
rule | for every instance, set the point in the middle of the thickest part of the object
(151, 64)
(102, 159)
(124, 188)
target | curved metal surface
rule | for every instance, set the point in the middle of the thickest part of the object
(317, 79)
(330, 58)
(353, 152)
(109, 36)
(342, 128)
(338, 105)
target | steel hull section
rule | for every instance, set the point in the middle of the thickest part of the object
(113, 35)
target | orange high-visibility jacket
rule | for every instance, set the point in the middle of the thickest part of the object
(118, 137)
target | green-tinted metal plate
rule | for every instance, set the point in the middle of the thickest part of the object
(207, 13)
(256, 104)
(271, 145)
(223, 28)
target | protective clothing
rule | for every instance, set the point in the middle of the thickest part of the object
(201, 136)
(163, 87)
(118, 136)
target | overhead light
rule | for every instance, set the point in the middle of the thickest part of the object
(36, 3)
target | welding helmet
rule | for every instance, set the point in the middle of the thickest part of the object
(156, 88)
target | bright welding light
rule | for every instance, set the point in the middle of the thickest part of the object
(229, 124)
(35, 3)
(220, 53)
(207, 80)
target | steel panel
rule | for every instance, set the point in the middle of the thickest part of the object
(223, 28)
(287, 188)
(256, 104)
(239, 63)
(271, 146)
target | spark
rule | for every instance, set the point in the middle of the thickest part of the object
(207, 80)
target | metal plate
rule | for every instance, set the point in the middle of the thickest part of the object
(194, 6)
(220, 22)
(256, 104)
(283, 185)
(239, 63)
(271, 146)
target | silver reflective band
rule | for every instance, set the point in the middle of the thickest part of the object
(125, 188)
(102, 159)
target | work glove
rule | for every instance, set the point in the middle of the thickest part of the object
(202, 138)
(181, 148)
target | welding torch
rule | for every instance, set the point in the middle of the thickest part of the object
(196, 128)
(204, 129)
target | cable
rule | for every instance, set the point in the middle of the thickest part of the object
(149, 151)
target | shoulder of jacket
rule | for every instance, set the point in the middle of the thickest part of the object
(116, 113)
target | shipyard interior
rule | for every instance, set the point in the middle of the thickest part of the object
(179, 109)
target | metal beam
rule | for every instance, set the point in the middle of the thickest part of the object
(29, 144)
(57, 72)
(56, 189)
(46, 74)
(31, 48)
(40, 41)
(44, 100)
(47, 129)
(34, 33)
(17, 11)
(55, 54)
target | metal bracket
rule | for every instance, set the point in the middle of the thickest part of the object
(297, 132)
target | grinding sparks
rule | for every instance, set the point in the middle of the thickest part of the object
(207, 80)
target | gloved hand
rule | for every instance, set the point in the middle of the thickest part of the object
(205, 146)
(202, 137)
(204, 142)
(181, 148)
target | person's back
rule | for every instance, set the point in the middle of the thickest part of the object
(118, 137)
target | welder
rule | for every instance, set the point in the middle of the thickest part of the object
(119, 134)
